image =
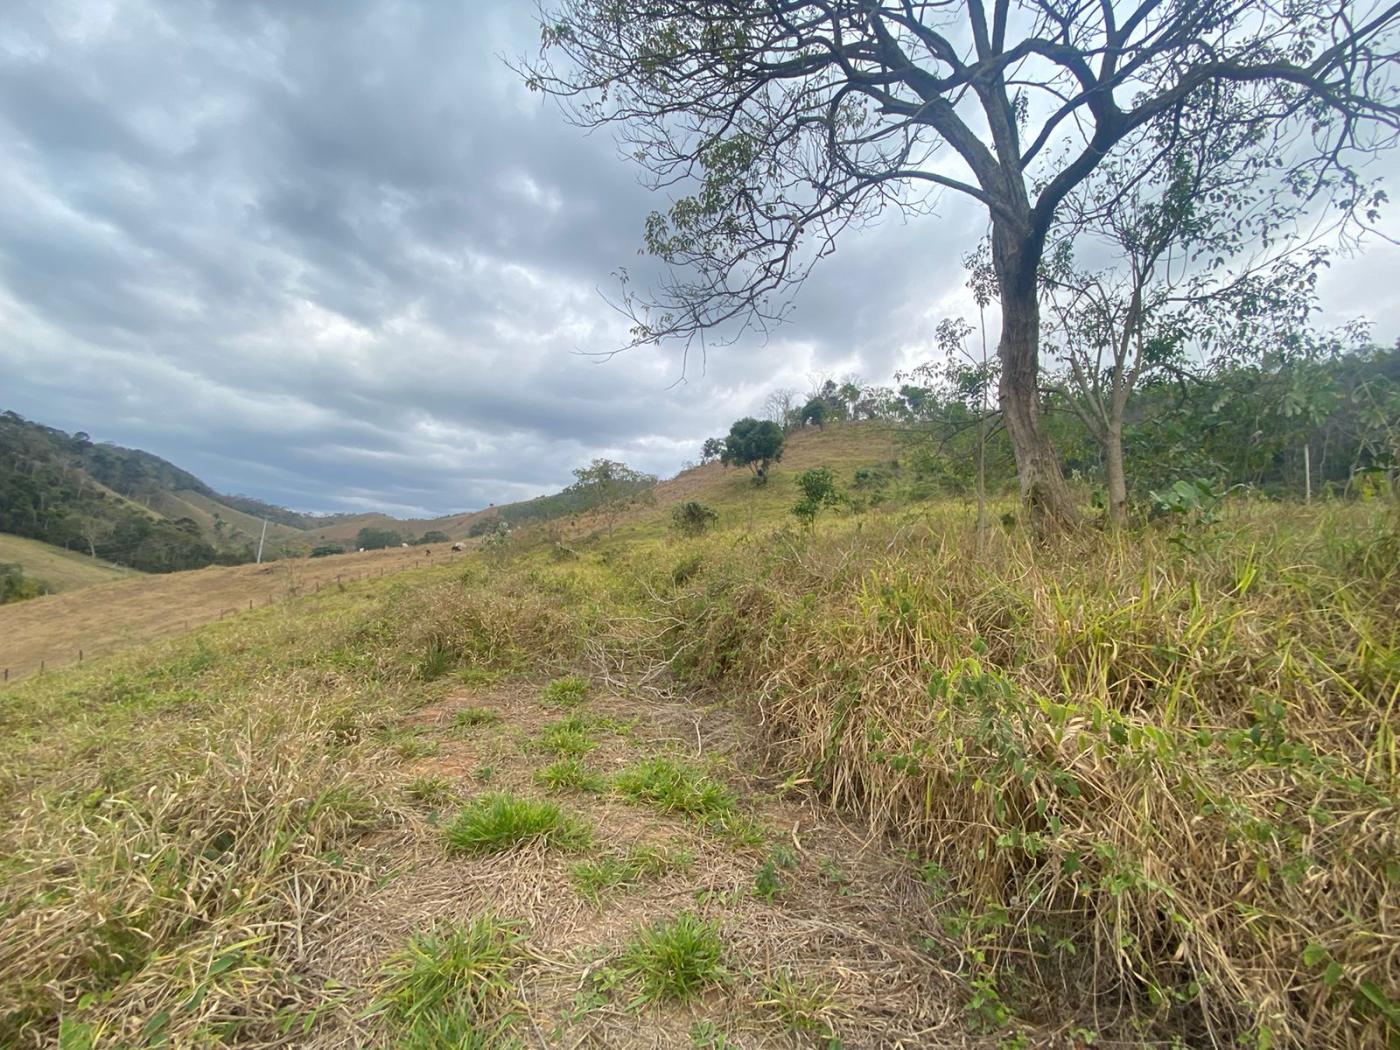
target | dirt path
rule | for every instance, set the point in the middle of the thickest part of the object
(823, 933)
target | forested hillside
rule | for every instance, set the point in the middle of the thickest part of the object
(119, 504)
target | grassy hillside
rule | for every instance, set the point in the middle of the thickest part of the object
(58, 569)
(129, 609)
(130, 507)
(230, 526)
(1118, 789)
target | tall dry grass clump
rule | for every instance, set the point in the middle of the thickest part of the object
(1155, 774)
(173, 829)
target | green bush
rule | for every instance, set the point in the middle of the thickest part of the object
(693, 518)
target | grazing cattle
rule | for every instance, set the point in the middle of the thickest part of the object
(459, 547)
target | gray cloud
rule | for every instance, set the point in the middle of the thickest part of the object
(334, 255)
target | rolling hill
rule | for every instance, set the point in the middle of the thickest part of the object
(59, 570)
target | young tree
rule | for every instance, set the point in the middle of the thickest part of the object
(818, 488)
(800, 119)
(693, 518)
(610, 488)
(711, 450)
(755, 444)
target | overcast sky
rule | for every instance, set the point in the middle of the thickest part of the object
(334, 255)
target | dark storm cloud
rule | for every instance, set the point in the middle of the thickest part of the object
(336, 256)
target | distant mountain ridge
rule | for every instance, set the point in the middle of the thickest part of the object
(135, 509)
(128, 506)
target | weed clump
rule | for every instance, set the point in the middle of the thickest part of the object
(497, 823)
(593, 878)
(569, 691)
(570, 774)
(430, 790)
(472, 717)
(675, 960)
(673, 787)
(453, 986)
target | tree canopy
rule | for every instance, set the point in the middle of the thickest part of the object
(753, 443)
(789, 122)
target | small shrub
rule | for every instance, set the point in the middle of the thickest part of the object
(692, 518)
(818, 488)
(675, 960)
(687, 569)
(15, 586)
(569, 691)
(768, 885)
(501, 822)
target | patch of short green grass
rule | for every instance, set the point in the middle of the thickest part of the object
(498, 822)
(452, 986)
(802, 1006)
(674, 787)
(675, 960)
(677, 787)
(470, 717)
(436, 661)
(576, 735)
(595, 877)
(410, 743)
(706, 1035)
(570, 774)
(430, 790)
(569, 691)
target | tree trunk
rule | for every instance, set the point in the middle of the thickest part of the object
(1117, 480)
(1043, 488)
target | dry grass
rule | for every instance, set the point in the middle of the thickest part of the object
(1151, 783)
(1168, 777)
(116, 615)
(60, 570)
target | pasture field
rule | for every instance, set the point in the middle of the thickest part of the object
(130, 607)
(60, 570)
(884, 782)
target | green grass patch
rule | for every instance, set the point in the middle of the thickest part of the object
(431, 790)
(570, 774)
(596, 877)
(471, 717)
(453, 986)
(678, 787)
(569, 691)
(674, 787)
(410, 743)
(804, 1007)
(675, 960)
(576, 735)
(496, 823)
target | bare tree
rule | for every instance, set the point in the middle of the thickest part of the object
(781, 406)
(795, 120)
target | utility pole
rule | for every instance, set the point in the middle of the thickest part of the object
(260, 540)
